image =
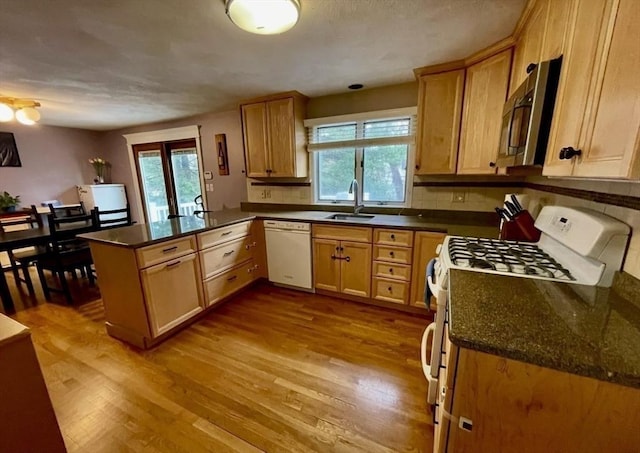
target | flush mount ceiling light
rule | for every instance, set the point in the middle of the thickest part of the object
(263, 17)
(23, 110)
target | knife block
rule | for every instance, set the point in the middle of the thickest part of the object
(521, 228)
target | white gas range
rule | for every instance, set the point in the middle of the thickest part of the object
(577, 246)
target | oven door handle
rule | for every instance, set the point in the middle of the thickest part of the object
(430, 288)
(426, 367)
(428, 332)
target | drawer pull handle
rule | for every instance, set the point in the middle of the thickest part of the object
(248, 246)
(232, 278)
(391, 253)
(393, 237)
(170, 249)
(253, 268)
(230, 252)
(172, 265)
(390, 289)
(226, 233)
(338, 249)
(391, 270)
(347, 259)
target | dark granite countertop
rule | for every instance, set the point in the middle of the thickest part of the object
(584, 330)
(140, 235)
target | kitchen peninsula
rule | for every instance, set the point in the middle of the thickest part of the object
(156, 278)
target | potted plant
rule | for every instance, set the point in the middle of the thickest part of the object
(8, 203)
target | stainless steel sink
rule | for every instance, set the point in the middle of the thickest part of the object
(351, 217)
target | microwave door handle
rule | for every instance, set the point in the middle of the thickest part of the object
(513, 114)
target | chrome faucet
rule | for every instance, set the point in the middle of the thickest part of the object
(353, 188)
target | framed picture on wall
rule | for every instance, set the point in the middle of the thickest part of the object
(9, 156)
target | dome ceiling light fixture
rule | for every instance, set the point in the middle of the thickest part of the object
(263, 17)
(22, 109)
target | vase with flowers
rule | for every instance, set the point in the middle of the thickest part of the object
(99, 165)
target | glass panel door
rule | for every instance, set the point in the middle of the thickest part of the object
(169, 178)
(186, 179)
(153, 186)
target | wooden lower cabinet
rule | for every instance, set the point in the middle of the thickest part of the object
(342, 266)
(172, 291)
(516, 406)
(424, 250)
(355, 268)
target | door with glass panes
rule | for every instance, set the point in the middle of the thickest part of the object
(169, 178)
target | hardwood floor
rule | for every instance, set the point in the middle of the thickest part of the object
(272, 370)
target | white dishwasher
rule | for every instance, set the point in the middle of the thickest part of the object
(289, 253)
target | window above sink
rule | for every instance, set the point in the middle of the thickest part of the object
(375, 148)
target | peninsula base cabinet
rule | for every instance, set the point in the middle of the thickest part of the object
(494, 404)
(152, 290)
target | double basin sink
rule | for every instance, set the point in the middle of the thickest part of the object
(351, 217)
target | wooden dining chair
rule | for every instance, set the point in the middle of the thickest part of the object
(67, 253)
(61, 212)
(113, 218)
(22, 258)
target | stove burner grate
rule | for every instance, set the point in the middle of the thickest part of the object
(505, 256)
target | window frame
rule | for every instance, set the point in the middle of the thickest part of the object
(360, 119)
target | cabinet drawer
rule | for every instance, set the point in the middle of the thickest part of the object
(219, 235)
(390, 290)
(220, 286)
(226, 255)
(402, 238)
(390, 270)
(156, 254)
(353, 234)
(392, 254)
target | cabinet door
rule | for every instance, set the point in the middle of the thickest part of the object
(326, 268)
(555, 30)
(172, 292)
(355, 269)
(423, 251)
(578, 64)
(281, 138)
(613, 121)
(484, 98)
(254, 128)
(440, 108)
(529, 45)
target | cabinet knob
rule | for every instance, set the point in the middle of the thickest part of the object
(531, 67)
(492, 164)
(417, 167)
(569, 153)
(393, 237)
(391, 270)
(390, 289)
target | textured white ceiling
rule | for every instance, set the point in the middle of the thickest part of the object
(104, 64)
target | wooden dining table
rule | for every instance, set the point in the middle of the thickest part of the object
(12, 240)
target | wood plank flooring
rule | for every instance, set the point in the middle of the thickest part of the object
(272, 370)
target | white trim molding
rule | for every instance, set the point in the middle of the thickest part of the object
(163, 135)
(378, 114)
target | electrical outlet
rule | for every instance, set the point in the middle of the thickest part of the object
(458, 197)
(266, 194)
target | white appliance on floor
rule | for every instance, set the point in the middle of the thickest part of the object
(289, 253)
(106, 197)
(577, 246)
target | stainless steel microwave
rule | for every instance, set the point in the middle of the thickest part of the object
(526, 118)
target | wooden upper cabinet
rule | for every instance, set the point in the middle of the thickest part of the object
(598, 106)
(254, 128)
(555, 30)
(439, 111)
(528, 47)
(612, 124)
(485, 94)
(274, 136)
